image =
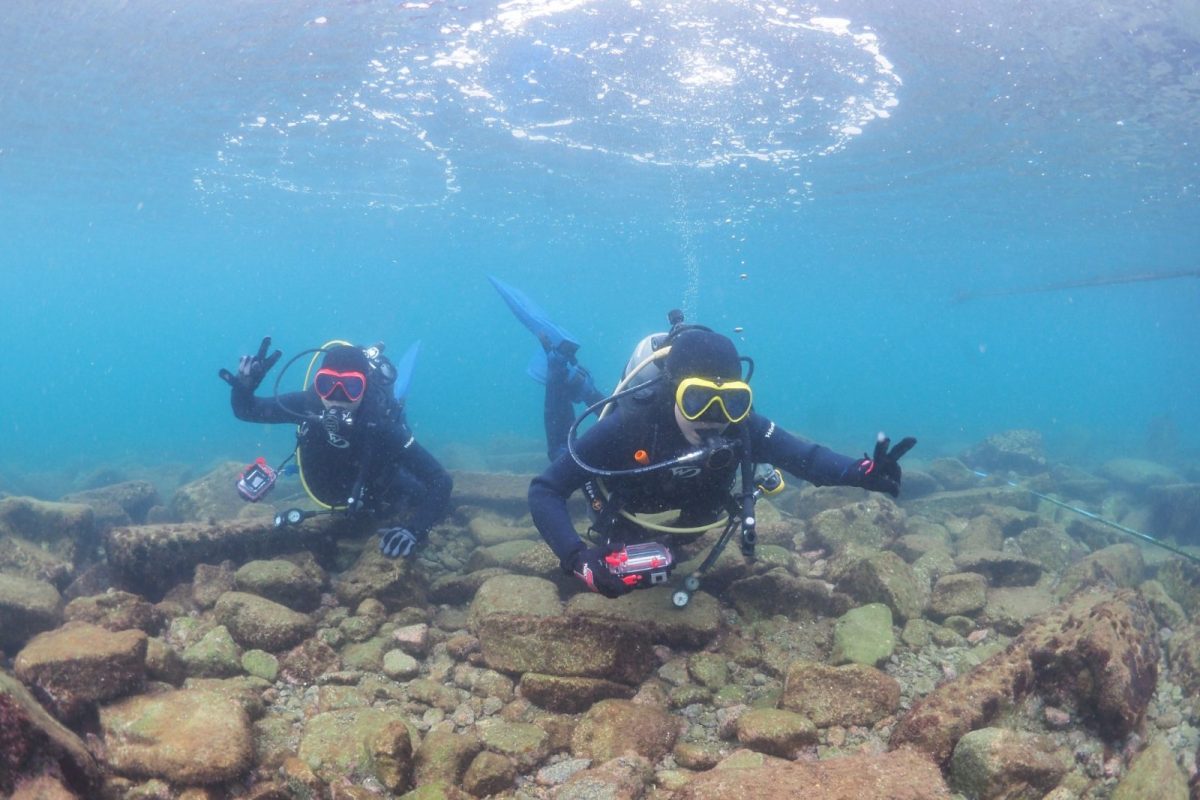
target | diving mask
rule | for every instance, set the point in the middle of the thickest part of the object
(702, 400)
(327, 382)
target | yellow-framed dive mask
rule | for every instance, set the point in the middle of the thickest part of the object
(702, 400)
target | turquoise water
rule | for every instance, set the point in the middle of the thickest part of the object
(179, 179)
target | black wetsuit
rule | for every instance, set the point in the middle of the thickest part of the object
(378, 450)
(701, 491)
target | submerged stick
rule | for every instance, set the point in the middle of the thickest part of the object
(1141, 277)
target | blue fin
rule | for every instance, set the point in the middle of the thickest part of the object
(536, 368)
(535, 319)
(404, 369)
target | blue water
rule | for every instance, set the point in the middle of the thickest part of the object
(179, 179)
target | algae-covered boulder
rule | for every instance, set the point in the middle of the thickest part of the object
(523, 742)
(282, 581)
(618, 727)
(258, 623)
(30, 736)
(881, 577)
(444, 757)
(45, 522)
(651, 610)
(854, 694)
(80, 664)
(27, 607)
(997, 762)
(360, 743)
(211, 497)
(961, 593)
(124, 503)
(1175, 512)
(1000, 568)
(117, 611)
(186, 736)
(775, 731)
(779, 592)
(1019, 450)
(570, 695)
(215, 655)
(1138, 473)
(1153, 773)
(864, 635)
(25, 559)
(900, 775)
(392, 581)
(872, 522)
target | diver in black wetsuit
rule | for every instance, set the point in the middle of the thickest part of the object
(354, 449)
(678, 443)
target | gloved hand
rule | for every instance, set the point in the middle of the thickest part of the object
(252, 369)
(588, 565)
(881, 472)
(398, 542)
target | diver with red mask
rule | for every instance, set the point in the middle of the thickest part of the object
(354, 450)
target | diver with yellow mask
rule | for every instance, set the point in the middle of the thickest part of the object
(354, 450)
(675, 437)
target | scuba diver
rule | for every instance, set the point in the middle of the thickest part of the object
(671, 441)
(354, 450)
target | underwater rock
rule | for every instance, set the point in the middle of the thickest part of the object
(880, 576)
(154, 558)
(488, 774)
(117, 611)
(1183, 651)
(853, 694)
(1096, 652)
(1008, 609)
(360, 743)
(994, 763)
(27, 607)
(874, 522)
(864, 635)
(29, 736)
(30, 560)
(444, 756)
(809, 501)
(651, 611)
(1138, 473)
(392, 581)
(967, 502)
(262, 624)
(283, 581)
(216, 655)
(960, 593)
(1000, 568)
(1153, 773)
(79, 664)
(213, 497)
(778, 732)
(184, 736)
(124, 503)
(504, 493)
(1019, 450)
(45, 522)
(623, 778)
(1119, 565)
(952, 474)
(613, 728)
(898, 775)
(1175, 512)
(489, 528)
(567, 695)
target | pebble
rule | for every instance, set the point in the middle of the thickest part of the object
(556, 774)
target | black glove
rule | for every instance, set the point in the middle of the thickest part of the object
(252, 369)
(398, 542)
(881, 472)
(589, 566)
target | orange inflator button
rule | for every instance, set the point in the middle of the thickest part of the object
(641, 457)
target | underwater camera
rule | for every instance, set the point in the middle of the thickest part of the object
(641, 565)
(256, 480)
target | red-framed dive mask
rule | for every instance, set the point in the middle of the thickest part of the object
(328, 382)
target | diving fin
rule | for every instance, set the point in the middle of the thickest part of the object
(550, 334)
(404, 370)
(536, 368)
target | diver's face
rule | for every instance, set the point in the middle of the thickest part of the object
(694, 432)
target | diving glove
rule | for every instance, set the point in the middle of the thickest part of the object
(252, 369)
(590, 567)
(881, 472)
(398, 542)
